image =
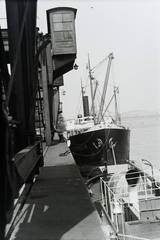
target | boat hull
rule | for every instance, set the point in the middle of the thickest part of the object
(115, 147)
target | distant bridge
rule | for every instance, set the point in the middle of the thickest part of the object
(140, 113)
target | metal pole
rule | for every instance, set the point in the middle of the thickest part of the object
(16, 56)
(153, 180)
(92, 97)
(45, 99)
(105, 88)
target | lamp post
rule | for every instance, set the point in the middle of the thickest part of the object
(75, 66)
(146, 162)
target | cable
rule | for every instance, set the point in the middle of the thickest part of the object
(92, 171)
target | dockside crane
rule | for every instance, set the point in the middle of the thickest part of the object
(22, 153)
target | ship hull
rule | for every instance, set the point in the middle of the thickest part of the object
(114, 150)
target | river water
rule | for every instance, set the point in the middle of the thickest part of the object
(144, 139)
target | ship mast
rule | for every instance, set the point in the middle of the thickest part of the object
(105, 88)
(113, 97)
(117, 116)
(82, 92)
(92, 95)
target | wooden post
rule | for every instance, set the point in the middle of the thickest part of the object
(45, 98)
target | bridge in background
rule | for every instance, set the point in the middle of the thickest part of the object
(140, 113)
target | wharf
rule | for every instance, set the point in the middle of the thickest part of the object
(58, 205)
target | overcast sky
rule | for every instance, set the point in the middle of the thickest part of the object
(128, 28)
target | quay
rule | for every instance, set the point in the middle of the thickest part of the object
(58, 205)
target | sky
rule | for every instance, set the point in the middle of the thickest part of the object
(128, 28)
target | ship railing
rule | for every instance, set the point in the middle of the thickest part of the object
(146, 188)
(122, 203)
(128, 237)
(84, 120)
(108, 207)
(150, 175)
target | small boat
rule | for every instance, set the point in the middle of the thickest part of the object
(106, 140)
(130, 201)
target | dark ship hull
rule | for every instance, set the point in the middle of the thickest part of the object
(114, 147)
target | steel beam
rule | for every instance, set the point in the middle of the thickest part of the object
(16, 99)
(21, 19)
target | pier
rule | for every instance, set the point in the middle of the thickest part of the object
(43, 196)
(58, 205)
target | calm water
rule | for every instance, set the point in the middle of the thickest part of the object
(144, 139)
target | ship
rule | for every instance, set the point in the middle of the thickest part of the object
(106, 141)
(129, 200)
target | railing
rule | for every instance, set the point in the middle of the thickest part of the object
(128, 237)
(80, 125)
(125, 202)
(84, 120)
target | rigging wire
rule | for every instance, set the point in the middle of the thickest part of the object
(100, 63)
(79, 106)
(100, 71)
(96, 70)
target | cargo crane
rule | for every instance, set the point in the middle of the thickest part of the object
(30, 93)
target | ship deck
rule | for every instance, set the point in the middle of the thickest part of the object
(145, 230)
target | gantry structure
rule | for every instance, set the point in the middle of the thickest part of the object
(30, 92)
